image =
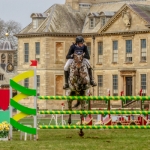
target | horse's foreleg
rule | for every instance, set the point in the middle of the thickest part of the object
(81, 133)
(70, 108)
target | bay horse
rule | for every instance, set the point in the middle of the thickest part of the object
(79, 82)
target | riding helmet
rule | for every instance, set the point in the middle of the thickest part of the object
(79, 39)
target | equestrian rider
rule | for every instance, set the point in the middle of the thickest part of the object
(78, 46)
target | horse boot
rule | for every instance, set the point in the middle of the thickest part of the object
(91, 78)
(66, 86)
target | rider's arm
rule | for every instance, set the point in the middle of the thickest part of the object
(86, 55)
(70, 52)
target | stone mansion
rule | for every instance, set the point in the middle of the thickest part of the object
(117, 34)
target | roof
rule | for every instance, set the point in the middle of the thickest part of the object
(62, 19)
(94, 14)
(6, 45)
(107, 8)
(107, 13)
(38, 15)
(68, 21)
(142, 10)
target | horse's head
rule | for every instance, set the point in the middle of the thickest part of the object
(78, 58)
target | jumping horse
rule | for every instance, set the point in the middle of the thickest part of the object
(79, 82)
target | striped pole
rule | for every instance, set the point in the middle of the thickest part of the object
(94, 127)
(95, 97)
(95, 112)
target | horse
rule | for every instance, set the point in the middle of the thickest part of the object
(79, 82)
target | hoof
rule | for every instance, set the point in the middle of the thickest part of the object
(81, 133)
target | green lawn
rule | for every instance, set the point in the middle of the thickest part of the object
(93, 140)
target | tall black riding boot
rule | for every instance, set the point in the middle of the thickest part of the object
(91, 77)
(66, 73)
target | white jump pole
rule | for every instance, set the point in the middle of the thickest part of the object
(62, 117)
(35, 101)
(10, 111)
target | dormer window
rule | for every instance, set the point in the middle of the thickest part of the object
(92, 22)
(37, 19)
(103, 21)
(35, 23)
(105, 16)
(93, 19)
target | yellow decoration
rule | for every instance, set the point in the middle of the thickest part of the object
(19, 116)
(23, 76)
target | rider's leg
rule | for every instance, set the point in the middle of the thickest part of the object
(66, 73)
(90, 73)
(91, 77)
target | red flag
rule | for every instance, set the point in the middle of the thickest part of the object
(33, 63)
(4, 99)
(141, 92)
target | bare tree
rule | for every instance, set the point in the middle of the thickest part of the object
(2, 28)
(12, 28)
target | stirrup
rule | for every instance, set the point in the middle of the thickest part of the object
(66, 86)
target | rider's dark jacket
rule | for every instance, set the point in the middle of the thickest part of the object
(74, 48)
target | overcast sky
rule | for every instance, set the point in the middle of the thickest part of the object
(20, 10)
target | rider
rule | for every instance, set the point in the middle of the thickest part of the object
(78, 46)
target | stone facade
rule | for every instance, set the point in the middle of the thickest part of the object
(7, 62)
(119, 49)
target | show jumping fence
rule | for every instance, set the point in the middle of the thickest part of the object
(144, 98)
(94, 127)
(24, 111)
(95, 112)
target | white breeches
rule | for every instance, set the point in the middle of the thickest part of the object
(69, 61)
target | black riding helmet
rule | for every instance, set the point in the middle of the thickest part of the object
(79, 39)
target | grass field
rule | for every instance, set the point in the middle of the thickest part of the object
(93, 140)
(131, 139)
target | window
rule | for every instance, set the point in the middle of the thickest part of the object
(85, 5)
(35, 23)
(143, 84)
(115, 51)
(143, 50)
(9, 60)
(128, 50)
(38, 80)
(100, 85)
(115, 85)
(26, 83)
(37, 48)
(38, 85)
(59, 53)
(89, 48)
(3, 58)
(103, 21)
(92, 23)
(26, 52)
(1, 77)
(59, 84)
(100, 52)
